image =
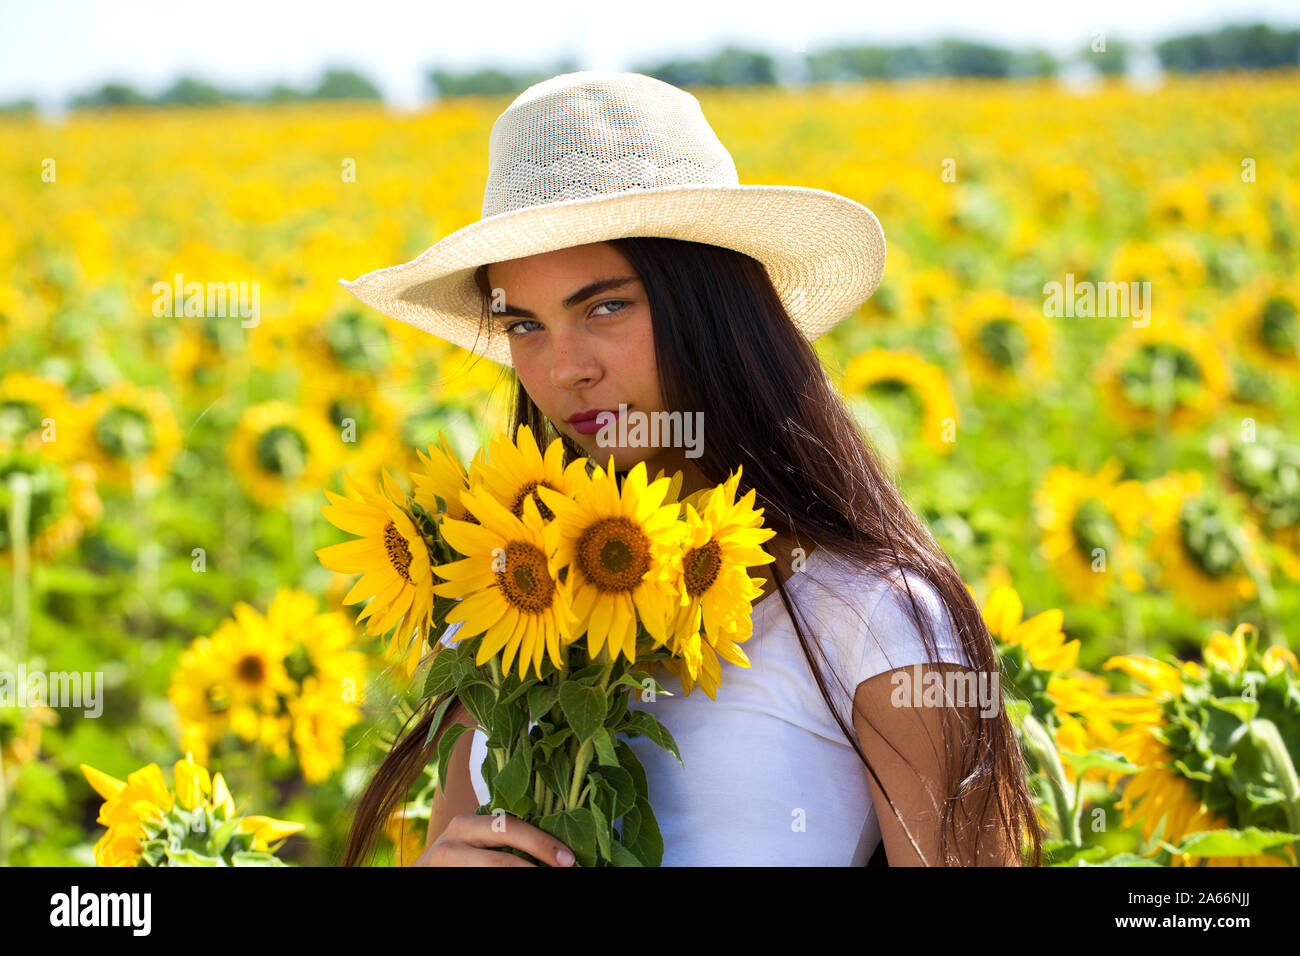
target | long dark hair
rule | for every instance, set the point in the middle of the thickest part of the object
(721, 331)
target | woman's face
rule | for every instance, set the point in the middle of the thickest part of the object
(581, 338)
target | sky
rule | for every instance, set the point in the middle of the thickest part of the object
(50, 50)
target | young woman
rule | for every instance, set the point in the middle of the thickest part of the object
(810, 756)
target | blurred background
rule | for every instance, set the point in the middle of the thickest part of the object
(163, 463)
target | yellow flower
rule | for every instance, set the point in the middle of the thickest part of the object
(617, 540)
(61, 503)
(407, 834)
(143, 796)
(1264, 319)
(1086, 518)
(267, 830)
(1168, 371)
(130, 433)
(1228, 653)
(903, 370)
(1199, 558)
(438, 487)
(1005, 341)
(507, 582)
(714, 615)
(513, 472)
(393, 559)
(278, 451)
(1041, 635)
(36, 414)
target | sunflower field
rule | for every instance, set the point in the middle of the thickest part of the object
(1082, 365)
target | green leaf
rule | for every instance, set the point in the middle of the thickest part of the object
(255, 858)
(557, 772)
(605, 755)
(643, 723)
(548, 743)
(635, 683)
(191, 857)
(620, 782)
(1099, 759)
(1122, 859)
(602, 795)
(446, 743)
(438, 714)
(479, 697)
(576, 829)
(648, 842)
(1247, 842)
(221, 835)
(442, 674)
(622, 856)
(1243, 710)
(511, 785)
(629, 761)
(541, 699)
(507, 725)
(584, 708)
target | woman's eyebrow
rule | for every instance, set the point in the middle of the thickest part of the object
(586, 292)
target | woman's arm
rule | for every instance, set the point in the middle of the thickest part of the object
(459, 796)
(905, 746)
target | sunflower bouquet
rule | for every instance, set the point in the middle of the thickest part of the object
(569, 584)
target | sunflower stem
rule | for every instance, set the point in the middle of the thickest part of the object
(1266, 737)
(19, 510)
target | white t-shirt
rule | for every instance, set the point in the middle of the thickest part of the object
(767, 777)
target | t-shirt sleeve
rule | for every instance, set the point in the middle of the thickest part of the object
(892, 640)
(449, 636)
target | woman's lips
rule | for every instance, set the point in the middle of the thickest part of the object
(592, 425)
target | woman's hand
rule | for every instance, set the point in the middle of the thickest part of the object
(470, 839)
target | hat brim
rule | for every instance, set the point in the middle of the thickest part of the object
(825, 253)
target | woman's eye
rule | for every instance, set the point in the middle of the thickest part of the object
(620, 302)
(510, 329)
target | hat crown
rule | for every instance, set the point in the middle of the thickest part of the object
(597, 133)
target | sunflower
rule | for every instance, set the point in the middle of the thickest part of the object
(142, 796)
(1182, 737)
(130, 431)
(279, 450)
(507, 582)
(1169, 263)
(1170, 368)
(437, 489)
(1005, 341)
(1264, 318)
(34, 411)
(516, 470)
(1200, 545)
(714, 615)
(1085, 517)
(891, 372)
(235, 679)
(618, 543)
(366, 423)
(394, 561)
(61, 503)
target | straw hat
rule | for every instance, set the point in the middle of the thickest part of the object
(590, 156)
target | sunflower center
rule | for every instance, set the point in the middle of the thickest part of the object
(1159, 372)
(517, 506)
(700, 567)
(614, 554)
(1204, 530)
(282, 451)
(399, 552)
(251, 669)
(48, 496)
(1279, 327)
(358, 343)
(345, 408)
(526, 580)
(18, 418)
(1003, 342)
(299, 664)
(1093, 527)
(125, 432)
